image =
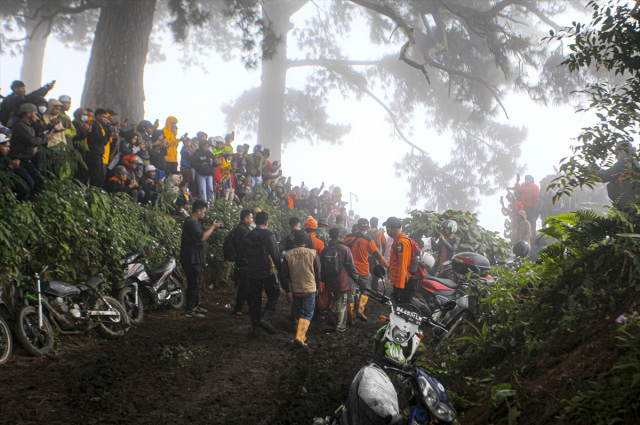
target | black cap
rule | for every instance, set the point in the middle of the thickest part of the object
(16, 84)
(363, 224)
(392, 222)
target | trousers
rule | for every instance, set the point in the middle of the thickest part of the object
(194, 273)
(205, 187)
(256, 286)
(364, 282)
(95, 167)
(242, 282)
(339, 309)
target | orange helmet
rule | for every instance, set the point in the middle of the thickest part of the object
(311, 223)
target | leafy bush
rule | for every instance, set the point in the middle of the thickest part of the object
(421, 224)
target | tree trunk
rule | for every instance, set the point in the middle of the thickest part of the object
(274, 78)
(115, 75)
(34, 45)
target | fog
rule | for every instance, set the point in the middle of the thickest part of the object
(362, 164)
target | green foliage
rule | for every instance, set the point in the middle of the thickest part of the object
(615, 396)
(421, 224)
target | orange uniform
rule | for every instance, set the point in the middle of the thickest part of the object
(529, 194)
(361, 246)
(317, 243)
(399, 261)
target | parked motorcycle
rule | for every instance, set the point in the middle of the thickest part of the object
(73, 309)
(6, 342)
(160, 286)
(373, 399)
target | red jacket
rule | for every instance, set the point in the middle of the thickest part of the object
(339, 283)
(529, 194)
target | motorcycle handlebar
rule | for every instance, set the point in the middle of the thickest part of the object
(404, 368)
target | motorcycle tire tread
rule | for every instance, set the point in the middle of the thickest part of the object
(22, 337)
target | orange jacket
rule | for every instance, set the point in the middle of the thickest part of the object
(529, 194)
(399, 261)
(361, 248)
(317, 243)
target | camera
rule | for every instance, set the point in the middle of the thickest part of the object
(221, 225)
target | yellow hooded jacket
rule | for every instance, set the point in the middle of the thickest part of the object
(170, 138)
(57, 135)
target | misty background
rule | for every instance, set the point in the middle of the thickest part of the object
(362, 163)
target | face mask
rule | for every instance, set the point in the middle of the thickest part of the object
(42, 109)
(84, 118)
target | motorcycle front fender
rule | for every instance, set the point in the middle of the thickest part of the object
(130, 281)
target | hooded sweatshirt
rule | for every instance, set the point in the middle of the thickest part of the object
(57, 134)
(170, 138)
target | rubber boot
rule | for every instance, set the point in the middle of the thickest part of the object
(361, 304)
(301, 334)
(352, 320)
(266, 322)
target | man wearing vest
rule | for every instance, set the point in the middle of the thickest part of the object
(301, 275)
(399, 262)
(381, 242)
(361, 247)
(337, 263)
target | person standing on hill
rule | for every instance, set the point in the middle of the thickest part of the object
(530, 197)
(301, 276)
(170, 131)
(400, 258)
(377, 235)
(523, 229)
(444, 244)
(192, 254)
(362, 246)
(242, 281)
(260, 249)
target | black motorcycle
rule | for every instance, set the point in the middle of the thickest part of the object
(6, 343)
(73, 309)
(160, 286)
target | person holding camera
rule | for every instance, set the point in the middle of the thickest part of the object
(192, 254)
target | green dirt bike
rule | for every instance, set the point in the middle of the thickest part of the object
(73, 309)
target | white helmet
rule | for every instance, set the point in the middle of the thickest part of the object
(427, 260)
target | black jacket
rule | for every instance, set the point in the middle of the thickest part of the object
(96, 141)
(11, 103)
(242, 230)
(202, 162)
(24, 140)
(287, 243)
(191, 245)
(451, 245)
(621, 190)
(260, 249)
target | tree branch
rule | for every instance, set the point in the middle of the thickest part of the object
(326, 63)
(399, 21)
(544, 18)
(62, 10)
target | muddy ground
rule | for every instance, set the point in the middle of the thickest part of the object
(174, 370)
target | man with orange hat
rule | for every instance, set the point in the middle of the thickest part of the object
(310, 227)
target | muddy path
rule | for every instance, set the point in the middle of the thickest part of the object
(174, 370)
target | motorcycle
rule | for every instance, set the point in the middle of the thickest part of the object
(73, 309)
(373, 399)
(160, 286)
(6, 342)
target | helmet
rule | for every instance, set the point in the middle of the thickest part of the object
(427, 261)
(449, 224)
(311, 223)
(130, 161)
(522, 249)
(218, 139)
(258, 148)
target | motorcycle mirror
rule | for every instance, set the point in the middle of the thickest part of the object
(379, 271)
(477, 247)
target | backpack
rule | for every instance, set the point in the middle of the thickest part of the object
(415, 268)
(330, 262)
(228, 250)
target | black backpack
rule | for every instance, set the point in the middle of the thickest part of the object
(228, 250)
(330, 262)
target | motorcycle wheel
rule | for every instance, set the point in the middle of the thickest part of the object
(178, 302)
(37, 342)
(127, 297)
(6, 343)
(111, 327)
(460, 328)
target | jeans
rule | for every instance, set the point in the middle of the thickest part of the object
(30, 174)
(242, 282)
(194, 273)
(303, 306)
(271, 288)
(205, 185)
(256, 181)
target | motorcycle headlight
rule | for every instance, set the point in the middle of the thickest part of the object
(399, 336)
(442, 412)
(428, 393)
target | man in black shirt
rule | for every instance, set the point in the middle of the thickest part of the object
(246, 218)
(192, 254)
(287, 242)
(260, 249)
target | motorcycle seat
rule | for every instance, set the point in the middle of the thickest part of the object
(95, 281)
(164, 267)
(446, 282)
(59, 288)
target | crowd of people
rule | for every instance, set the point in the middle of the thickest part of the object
(522, 210)
(141, 159)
